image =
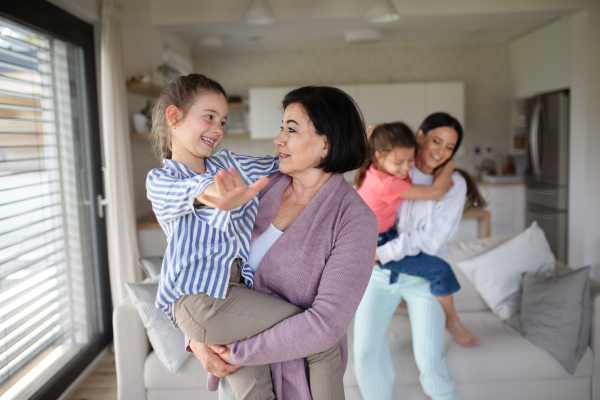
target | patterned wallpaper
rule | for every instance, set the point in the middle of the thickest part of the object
(483, 67)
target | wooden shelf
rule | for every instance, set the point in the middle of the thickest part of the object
(144, 89)
(140, 135)
(148, 221)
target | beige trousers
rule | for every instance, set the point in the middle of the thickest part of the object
(244, 313)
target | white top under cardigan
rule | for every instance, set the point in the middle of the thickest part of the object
(262, 244)
(426, 225)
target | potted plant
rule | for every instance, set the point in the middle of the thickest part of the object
(142, 121)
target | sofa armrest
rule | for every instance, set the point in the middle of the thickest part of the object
(131, 349)
(595, 337)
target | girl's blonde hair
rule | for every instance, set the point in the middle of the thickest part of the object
(384, 139)
(181, 92)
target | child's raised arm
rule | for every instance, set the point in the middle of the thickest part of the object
(229, 191)
(440, 186)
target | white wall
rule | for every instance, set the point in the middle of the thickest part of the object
(541, 61)
(567, 54)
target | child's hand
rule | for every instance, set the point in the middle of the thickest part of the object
(449, 166)
(229, 191)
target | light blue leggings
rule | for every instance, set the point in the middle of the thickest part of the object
(373, 364)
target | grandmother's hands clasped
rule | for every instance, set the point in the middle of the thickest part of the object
(211, 357)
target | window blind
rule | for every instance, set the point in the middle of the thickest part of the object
(36, 175)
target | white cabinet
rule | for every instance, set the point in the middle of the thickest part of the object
(266, 111)
(379, 103)
(506, 204)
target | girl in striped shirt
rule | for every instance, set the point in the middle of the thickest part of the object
(207, 205)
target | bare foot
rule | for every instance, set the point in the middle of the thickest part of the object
(461, 334)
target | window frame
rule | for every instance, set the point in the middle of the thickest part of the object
(48, 18)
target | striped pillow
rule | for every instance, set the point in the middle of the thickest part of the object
(167, 341)
(498, 274)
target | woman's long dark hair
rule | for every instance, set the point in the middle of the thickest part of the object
(438, 120)
(385, 138)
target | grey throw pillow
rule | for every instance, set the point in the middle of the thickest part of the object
(151, 265)
(166, 340)
(556, 315)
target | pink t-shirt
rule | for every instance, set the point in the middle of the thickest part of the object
(382, 193)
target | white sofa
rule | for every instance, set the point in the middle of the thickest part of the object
(504, 366)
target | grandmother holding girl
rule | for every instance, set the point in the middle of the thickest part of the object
(273, 269)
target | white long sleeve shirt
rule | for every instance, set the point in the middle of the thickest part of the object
(426, 225)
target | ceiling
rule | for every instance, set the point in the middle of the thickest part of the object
(322, 23)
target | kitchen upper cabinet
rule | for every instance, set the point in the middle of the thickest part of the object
(379, 103)
(266, 111)
(404, 102)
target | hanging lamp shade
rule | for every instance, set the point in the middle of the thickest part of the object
(259, 12)
(382, 12)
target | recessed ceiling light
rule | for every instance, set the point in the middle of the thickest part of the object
(363, 36)
(382, 12)
(259, 12)
(212, 41)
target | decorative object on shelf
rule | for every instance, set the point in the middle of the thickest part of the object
(142, 122)
(147, 112)
(259, 12)
(519, 142)
(382, 12)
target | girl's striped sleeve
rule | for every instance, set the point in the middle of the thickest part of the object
(173, 198)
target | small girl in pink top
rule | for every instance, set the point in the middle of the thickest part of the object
(383, 183)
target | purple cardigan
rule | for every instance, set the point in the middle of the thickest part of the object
(321, 263)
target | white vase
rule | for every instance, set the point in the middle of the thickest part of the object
(140, 123)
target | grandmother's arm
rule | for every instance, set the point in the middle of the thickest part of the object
(343, 283)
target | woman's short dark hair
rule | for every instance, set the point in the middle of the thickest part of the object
(335, 115)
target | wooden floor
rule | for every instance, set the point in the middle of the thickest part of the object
(101, 384)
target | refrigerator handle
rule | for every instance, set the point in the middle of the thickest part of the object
(533, 139)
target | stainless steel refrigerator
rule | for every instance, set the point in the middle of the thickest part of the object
(548, 167)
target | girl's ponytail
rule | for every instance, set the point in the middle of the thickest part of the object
(361, 173)
(474, 197)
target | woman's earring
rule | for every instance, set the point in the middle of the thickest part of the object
(174, 127)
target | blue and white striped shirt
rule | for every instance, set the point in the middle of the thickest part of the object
(202, 241)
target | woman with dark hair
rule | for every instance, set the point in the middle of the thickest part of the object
(313, 244)
(424, 226)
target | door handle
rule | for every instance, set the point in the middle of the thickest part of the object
(548, 217)
(543, 192)
(533, 139)
(101, 203)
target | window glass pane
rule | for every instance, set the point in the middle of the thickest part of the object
(48, 280)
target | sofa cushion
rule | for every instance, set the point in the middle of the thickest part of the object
(556, 314)
(166, 340)
(503, 355)
(467, 298)
(497, 274)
